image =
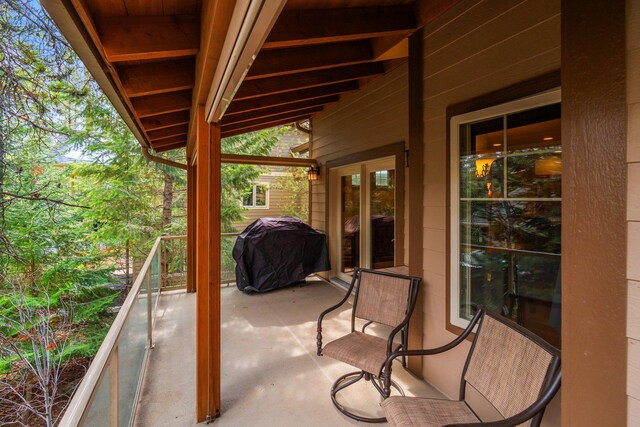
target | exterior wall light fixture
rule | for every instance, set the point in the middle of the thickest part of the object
(313, 173)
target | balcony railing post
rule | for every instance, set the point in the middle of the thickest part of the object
(163, 270)
(150, 308)
(161, 265)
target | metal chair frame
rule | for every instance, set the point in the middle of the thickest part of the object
(384, 388)
(535, 411)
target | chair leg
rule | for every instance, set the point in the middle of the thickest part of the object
(352, 378)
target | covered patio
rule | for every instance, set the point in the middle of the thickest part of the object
(271, 374)
(507, 131)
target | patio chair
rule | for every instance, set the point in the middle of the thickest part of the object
(382, 298)
(514, 370)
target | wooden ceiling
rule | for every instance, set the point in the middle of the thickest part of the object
(317, 51)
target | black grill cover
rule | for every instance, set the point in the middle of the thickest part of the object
(275, 252)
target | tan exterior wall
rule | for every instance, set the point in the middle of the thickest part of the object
(277, 202)
(473, 49)
(372, 117)
(633, 209)
(277, 197)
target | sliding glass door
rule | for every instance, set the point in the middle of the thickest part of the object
(363, 212)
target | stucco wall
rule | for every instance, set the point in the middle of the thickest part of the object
(633, 208)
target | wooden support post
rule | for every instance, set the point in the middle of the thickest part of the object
(207, 268)
(594, 209)
(214, 249)
(191, 226)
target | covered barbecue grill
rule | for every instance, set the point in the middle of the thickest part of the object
(275, 252)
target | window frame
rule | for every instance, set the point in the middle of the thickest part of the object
(254, 189)
(521, 104)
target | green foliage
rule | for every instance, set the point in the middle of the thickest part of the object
(77, 198)
(295, 189)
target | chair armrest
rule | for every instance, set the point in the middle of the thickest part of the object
(533, 410)
(427, 352)
(329, 310)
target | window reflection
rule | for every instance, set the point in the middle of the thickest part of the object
(382, 208)
(510, 217)
(350, 214)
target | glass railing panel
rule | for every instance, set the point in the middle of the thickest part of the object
(155, 278)
(132, 346)
(99, 410)
(111, 385)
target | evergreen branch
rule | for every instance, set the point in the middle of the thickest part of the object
(35, 197)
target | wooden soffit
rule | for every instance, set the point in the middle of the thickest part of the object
(156, 59)
(318, 51)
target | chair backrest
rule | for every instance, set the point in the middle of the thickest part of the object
(384, 297)
(509, 366)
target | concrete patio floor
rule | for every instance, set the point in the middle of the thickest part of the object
(271, 375)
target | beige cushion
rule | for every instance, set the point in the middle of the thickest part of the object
(363, 351)
(414, 411)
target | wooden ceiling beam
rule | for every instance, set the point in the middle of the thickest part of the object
(307, 79)
(165, 120)
(387, 48)
(269, 101)
(274, 62)
(167, 132)
(280, 109)
(168, 141)
(215, 20)
(310, 26)
(278, 117)
(152, 78)
(171, 147)
(264, 126)
(163, 103)
(135, 38)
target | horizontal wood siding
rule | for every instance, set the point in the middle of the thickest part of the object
(475, 48)
(375, 116)
(372, 117)
(277, 201)
(633, 210)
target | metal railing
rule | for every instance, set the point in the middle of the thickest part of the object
(173, 264)
(227, 264)
(109, 391)
(174, 261)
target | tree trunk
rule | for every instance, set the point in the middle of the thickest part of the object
(167, 201)
(127, 258)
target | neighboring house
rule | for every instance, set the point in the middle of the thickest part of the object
(267, 197)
